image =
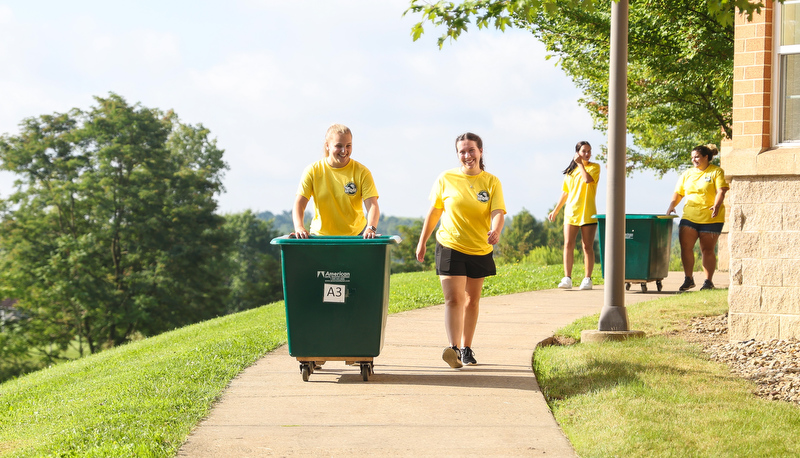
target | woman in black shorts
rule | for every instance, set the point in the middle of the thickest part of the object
(469, 202)
(703, 216)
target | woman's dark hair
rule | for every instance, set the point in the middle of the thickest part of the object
(476, 139)
(572, 164)
(708, 151)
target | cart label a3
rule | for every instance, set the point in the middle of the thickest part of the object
(337, 277)
(334, 293)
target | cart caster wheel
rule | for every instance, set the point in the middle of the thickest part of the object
(365, 371)
(659, 285)
(644, 287)
(305, 369)
(627, 286)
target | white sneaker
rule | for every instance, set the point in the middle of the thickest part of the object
(586, 284)
(566, 283)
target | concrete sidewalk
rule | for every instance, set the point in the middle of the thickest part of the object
(414, 405)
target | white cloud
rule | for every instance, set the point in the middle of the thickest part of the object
(6, 15)
(102, 54)
(245, 78)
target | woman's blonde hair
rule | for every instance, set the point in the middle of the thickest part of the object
(339, 129)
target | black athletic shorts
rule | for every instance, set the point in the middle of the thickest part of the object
(715, 228)
(451, 262)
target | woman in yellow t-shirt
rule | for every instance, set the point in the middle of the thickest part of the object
(704, 187)
(578, 193)
(469, 202)
(338, 185)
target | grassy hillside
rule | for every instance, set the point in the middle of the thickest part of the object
(144, 398)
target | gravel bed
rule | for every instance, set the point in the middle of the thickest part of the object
(774, 365)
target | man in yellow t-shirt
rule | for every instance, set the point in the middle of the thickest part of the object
(339, 185)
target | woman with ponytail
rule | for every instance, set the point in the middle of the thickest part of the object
(578, 193)
(468, 202)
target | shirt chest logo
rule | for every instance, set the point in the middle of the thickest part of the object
(350, 189)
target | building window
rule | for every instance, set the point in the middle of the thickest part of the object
(789, 67)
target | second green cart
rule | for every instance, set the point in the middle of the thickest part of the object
(648, 241)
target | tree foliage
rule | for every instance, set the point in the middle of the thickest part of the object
(254, 265)
(111, 232)
(404, 255)
(680, 75)
(523, 234)
(455, 17)
(680, 62)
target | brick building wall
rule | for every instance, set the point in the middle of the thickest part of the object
(763, 225)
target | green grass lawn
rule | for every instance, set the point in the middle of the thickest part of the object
(143, 399)
(660, 396)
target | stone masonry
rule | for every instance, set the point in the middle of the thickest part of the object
(763, 222)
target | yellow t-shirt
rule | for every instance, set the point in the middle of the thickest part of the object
(700, 189)
(338, 197)
(580, 205)
(468, 203)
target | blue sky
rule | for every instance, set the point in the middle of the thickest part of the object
(268, 77)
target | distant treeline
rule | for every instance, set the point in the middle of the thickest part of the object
(522, 234)
(282, 222)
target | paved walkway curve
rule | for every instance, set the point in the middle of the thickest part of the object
(414, 405)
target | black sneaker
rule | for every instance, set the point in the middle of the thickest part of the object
(707, 285)
(468, 356)
(452, 356)
(688, 283)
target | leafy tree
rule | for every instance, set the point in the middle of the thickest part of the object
(389, 225)
(554, 231)
(111, 232)
(680, 63)
(282, 223)
(404, 256)
(456, 17)
(14, 347)
(255, 268)
(523, 234)
(680, 74)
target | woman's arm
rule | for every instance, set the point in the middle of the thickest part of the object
(561, 202)
(498, 220)
(373, 216)
(427, 229)
(675, 199)
(718, 201)
(298, 214)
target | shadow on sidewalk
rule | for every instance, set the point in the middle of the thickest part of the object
(498, 377)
